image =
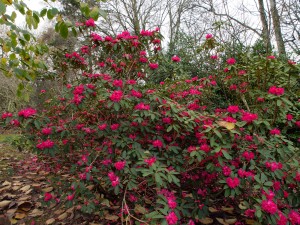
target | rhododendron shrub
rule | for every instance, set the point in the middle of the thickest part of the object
(162, 154)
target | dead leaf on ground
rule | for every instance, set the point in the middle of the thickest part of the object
(6, 183)
(20, 216)
(36, 212)
(227, 125)
(48, 189)
(25, 188)
(50, 221)
(62, 216)
(227, 209)
(206, 220)
(221, 221)
(111, 217)
(4, 203)
(25, 206)
(231, 221)
(212, 210)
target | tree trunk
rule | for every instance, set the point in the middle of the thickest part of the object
(265, 29)
(277, 28)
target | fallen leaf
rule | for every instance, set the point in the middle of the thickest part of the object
(231, 221)
(25, 206)
(227, 209)
(6, 183)
(36, 212)
(24, 198)
(227, 125)
(4, 203)
(206, 220)
(62, 216)
(48, 189)
(20, 216)
(242, 206)
(250, 222)
(25, 188)
(59, 211)
(50, 221)
(13, 221)
(212, 210)
(111, 217)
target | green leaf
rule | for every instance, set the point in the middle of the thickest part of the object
(226, 155)
(95, 13)
(158, 179)
(64, 32)
(269, 183)
(43, 12)
(2, 8)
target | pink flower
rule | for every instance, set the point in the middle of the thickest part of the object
(231, 61)
(250, 213)
(276, 90)
(297, 123)
(271, 57)
(171, 218)
(150, 161)
(282, 219)
(275, 131)
(175, 58)
(6, 115)
(90, 22)
(269, 206)
(120, 165)
(233, 182)
(297, 177)
(289, 117)
(214, 57)
(28, 112)
(71, 197)
(114, 126)
(15, 123)
(226, 171)
(45, 144)
(47, 197)
(116, 96)
(113, 179)
(118, 83)
(153, 66)
(294, 217)
(142, 106)
(249, 117)
(157, 144)
(172, 203)
(136, 94)
(208, 36)
(47, 130)
(248, 155)
(102, 126)
(233, 109)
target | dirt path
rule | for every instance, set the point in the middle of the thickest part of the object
(23, 183)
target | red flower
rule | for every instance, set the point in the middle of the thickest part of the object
(294, 217)
(249, 117)
(6, 115)
(233, 182)
(90, 22)
(208, 36)
(157, 144)
(175, 58)
(275, 131)
(102, 126)
(269, 206)
(26, 113)
(289, 117)
(45, 144)
(47, 130)
(231, 61)
(233, 109)
(276, 90)
(118, 83)
(116, 96)
(150, 161)
(113, 179)
(120, 165)
(226, 171)
(114, 126)
(153, 66)
(47, 197)
(171, 218)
